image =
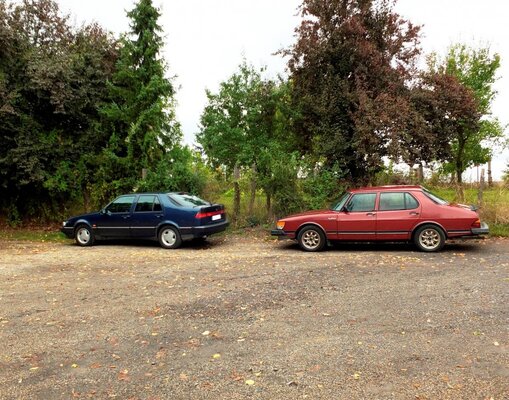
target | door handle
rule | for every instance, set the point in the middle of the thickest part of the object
(372, 214)
(414, 213)
(126, 216)
(159, 215)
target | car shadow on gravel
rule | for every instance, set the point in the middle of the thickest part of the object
(450, 247)
(196, 244)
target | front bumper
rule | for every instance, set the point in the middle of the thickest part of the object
(68, 231)
(281, 234)
(483, 230)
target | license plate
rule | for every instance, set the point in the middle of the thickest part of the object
(216, 217)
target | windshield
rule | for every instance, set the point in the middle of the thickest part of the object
(338, 205)
(434, 197)
(187, 200)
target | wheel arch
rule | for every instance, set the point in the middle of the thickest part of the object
(421, 224)
(306, 224)
(164, 224)
(81, 222)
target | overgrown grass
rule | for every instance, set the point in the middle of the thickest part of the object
(31, 235)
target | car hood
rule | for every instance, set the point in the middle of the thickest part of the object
(85, 216)
(312, 212)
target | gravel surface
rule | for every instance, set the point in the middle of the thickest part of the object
(247, 317)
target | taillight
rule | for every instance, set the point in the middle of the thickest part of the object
(208, 214)
(476, 224)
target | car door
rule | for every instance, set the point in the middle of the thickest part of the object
(398, 214)
(357, 220)
(147, 215)
(115, 220)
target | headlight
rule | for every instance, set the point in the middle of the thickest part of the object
(280, 224)
(63, 223)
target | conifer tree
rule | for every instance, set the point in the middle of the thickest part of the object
(140, 116)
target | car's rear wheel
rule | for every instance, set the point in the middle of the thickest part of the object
(429, 238)
(311, 238)
(84, 236)
(169, 237)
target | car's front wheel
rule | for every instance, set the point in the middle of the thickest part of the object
(311, 238)
(169, 237)
(429, 238)
(84, 235)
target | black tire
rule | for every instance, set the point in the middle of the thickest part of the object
(84, 236)
(429, 238)
(169, 237)
(311, 238)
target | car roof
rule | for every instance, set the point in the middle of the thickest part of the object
(387, 188)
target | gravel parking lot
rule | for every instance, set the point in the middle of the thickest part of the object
(248, 317)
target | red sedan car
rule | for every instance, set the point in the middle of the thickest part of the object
(386, 213)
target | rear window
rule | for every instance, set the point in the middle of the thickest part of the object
(434, 197)
(187, 200)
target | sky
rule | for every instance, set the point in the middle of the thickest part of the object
(207, 39)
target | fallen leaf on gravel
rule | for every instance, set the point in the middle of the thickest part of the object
(217, 355)
(74, 366)
(250, 382)
(34, 368)
(122, 375)
(357, 375)
(206, 333)
(292, 383)
(496, 343)
(95, 366)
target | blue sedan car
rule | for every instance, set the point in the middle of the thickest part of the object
(169, 218)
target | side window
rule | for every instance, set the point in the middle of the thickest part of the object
(121, 205)
(157, 205)
(362, 202)
(410, 201)
(397, 201)
(146, 203)
(392, 201)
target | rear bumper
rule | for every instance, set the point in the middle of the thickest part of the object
(483, 230)
(205, 230)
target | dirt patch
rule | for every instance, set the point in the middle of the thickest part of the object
(241, 317)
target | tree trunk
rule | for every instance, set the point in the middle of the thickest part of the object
(86, 199)
(420, 175)
(490, 177)
(459, 185)
(268, 202)
(459, 170)
(481, 189)
(236, 193)
(252, 194)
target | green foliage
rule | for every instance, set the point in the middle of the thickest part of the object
(179, 170)
(139, 117)
(322, 186)
(350, 67)
(53, 78)
(475, 69)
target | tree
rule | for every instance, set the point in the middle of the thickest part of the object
(350, 67)
(52, 79)
(229, 125)
(140, 116)
(475, 69)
